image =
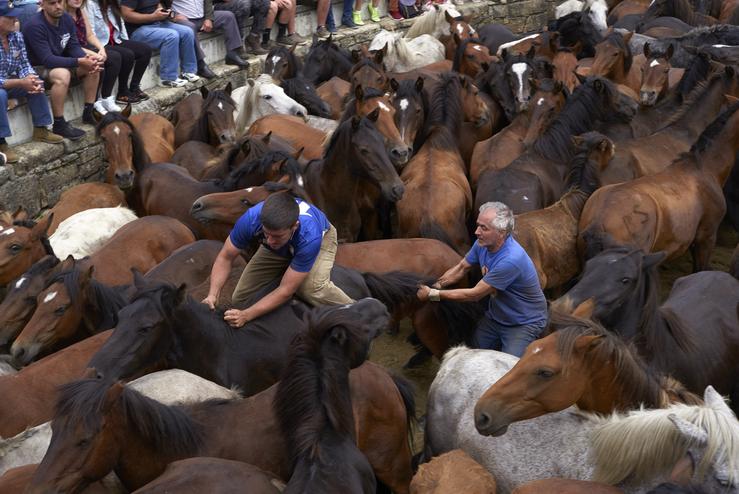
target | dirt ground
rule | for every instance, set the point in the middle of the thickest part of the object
(392, 351)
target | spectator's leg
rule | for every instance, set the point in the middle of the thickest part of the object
(259, 10)
(142, 56)
(38, 104)
(59, 79)
(322, 8)
(346, 15)
(317, 288)
(4, 124)
(187, 47)
(194, 24)
(127, 58)
(487, 335)
(269, 22)
(515, 339)
(167, 41)
(90, 82)
(240, 9)
(225, 22)
(112, 70)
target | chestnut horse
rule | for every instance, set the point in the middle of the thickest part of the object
(535, 179)
(132, 143)
(316, 422)
(674, 210)
(29, 395)
(460, 26)
(693, 335)
(294, 131)
(549, 235)
(70, 308)
(22, 243)
(334, 93)
(614, 60)
(82, 197)
(581, 364)
(438, 196)
(471, 57)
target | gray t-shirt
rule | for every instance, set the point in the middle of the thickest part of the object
(192, 9)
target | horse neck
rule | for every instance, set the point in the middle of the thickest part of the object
(189, 338)
(102, 305)
(699, 114)
(139, 462)
(201, 130)
(718, 161)
(332, 178)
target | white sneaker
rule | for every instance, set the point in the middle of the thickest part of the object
(176, 83)
(190, 77)
(109, 104)
(99, 107)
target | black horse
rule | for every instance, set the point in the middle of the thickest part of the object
(282, 64)
(313, 401)
(326, 59)
(693, 335)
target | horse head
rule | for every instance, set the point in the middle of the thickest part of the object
(655, 77)
(368, 101)
(411, 108)
(22, 243)
(549, 99)
(217, 116)
(123, 148)
(519, 72)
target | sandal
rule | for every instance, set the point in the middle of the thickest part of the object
(128, 99)
(138, 93)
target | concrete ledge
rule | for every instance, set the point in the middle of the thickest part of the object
(45, 170)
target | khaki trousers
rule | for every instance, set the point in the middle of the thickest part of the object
(316, 289)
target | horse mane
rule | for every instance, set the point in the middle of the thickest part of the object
(349, 106)
(140, 156)
(42, 265)
(262, 165)
(582, 180)
(425, 23)
(636, 446)
(170, 429)
(698, 71)
(581, 110)
(712, 131)
(640, 383)
(446, 106)
(44, 239)
(617, 39)
(201, 130)
(699, 91)
(311, 396)
(459, 52)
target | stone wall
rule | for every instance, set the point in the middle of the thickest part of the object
(45, 170)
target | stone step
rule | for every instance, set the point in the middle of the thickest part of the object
(215, 51)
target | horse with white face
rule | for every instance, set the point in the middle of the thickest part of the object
(261, 97)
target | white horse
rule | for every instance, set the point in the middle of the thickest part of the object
(573, 445)
(83, 233)
(597, 10)
(404, 54)
(170, 387)
(433, 21)
(261, 97)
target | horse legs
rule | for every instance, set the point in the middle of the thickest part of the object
(703, 245)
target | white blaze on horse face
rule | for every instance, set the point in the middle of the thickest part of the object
(540, 102)
(220, 105)
(460, 29)
(275, 59)
(9, 231)
(20, 282)
(477, 47)
(116, 130)
(654, 63)
(301, 182)
(519, 69)
(49, 297)
(383, 106)
(249, 189)
(403, 104)
(536, 350)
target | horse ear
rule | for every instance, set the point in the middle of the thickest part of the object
(558, 87)
(531, 53)
(96, 115)
(86, 275)
(374, 114)
(203, 92)
(20, 214)
(670, 51)
(68, 263)
(40, 229)
(714, 400)
(359, 93)
(380, 55)
(228, 88)
(355, 122)
(112, 395)
(693, 433)
(730, 99)
(650, 260)
(126, 112)
(504, 54)
(462, 81)
(647, 51)
(330, 38)
(267, 137)
(338, 335)
(251, 82)
(419, 84)
(577, 141)
(394, 85)
(581, 78)
(604, 145)
(356, 55)
(246, 147)
(587, 343)
(448, 17)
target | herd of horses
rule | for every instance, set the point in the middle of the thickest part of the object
(612, 133)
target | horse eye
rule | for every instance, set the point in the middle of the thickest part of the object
(143, 330)
(625, 280)
(246, 202)
(544, 373)
(83, 443)
(15, 248)
(268, 96)
(364, 151)
(60, 310)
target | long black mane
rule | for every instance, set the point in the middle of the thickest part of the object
(697, 72)
(713, 130)
(201, 130)
(140, 156)
(170, 429)
(262, 166)
(574, 27)
(446, 106)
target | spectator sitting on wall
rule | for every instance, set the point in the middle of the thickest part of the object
(105, 19)
(199, 15)
(51, 38)
(243, 9)
(149, 22)
(284, 11)
(19, 80)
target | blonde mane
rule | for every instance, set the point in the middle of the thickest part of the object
(432, 22)
(641, 444)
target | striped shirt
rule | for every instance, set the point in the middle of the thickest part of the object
(14, 63)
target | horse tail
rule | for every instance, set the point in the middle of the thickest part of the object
(407, 393)
(431, 229)
(396, 288)
(460, 319)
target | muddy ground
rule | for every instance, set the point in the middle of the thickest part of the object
(392, 351)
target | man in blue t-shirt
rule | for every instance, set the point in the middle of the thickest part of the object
(297, 243)
(517, 314)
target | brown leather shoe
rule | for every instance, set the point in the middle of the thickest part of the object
(10, 155)
(42, 134)
(253, 44)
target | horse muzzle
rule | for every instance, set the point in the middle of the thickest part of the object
(648, 98)
(24, 355)
(394, 193)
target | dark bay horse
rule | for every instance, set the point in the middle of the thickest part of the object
(693, 335)
(580, 363)
(549, 235)
(20, 301)
(437, 171)
(369, 71)
(130, 144)
(411, 108)
(313, 403)
(70, 308)
(286, 69)
(671, 211)
(22, 243)
(536, 178)
(326, 59)
(614, 60)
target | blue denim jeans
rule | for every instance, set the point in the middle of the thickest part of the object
(37, 103)
(490, 335)
(346, 16)
(176, 44)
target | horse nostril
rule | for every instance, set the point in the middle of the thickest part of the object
(398, 190)
(197, 206)
(482, 420)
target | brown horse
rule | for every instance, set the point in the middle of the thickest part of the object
(140, 244)
(368, 70)
(614, 60)
(233, 155)
(20, 301)
(22, 243)
(334, 92)
(199, 117)
(549, 235)
(450, 473)
(244, 430)
(132, 143)
(82, 197)
(294, 131)
(411, 107)
(459, 26)
(581, 363)
(29, 395)
(673, 210)
(655, 80)
(471, 57)
(15, 481)
(438, 196)
(70, 308)
(504, 147)
(565, 63)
